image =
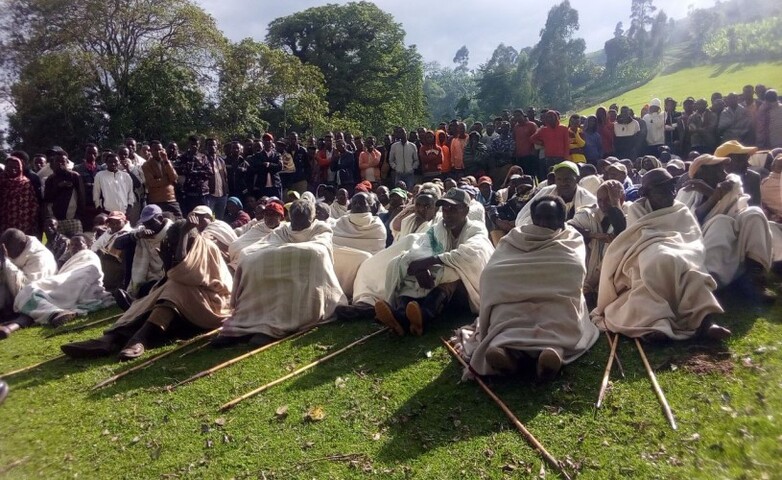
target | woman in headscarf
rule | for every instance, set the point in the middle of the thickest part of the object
(18, 201)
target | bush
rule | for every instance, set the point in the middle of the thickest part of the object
(760, 40)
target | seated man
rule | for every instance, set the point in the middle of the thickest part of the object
(75, 290)
(360, 229)
(23, 259)
(739, 165)
(273, 213)
(111, 257)
(599, 225)
(531, 301)
(193, 297)
(771, 191)
(503, 217)
(146, 267)
(736, 236)
(654, 283)
(339, 206)
(288, 284)
(215, 230)
(56, 242)
(418, 217)
(565, 187)
(448, 258)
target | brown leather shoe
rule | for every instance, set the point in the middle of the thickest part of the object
(131, 351)
(95, 348)
(499, 359)
(415, 315)
(3, 391)
(385, 315)
(549, 364)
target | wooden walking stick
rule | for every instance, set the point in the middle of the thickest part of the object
(516, 422)
(616, 355)
(154, 359)
(30, 367)
(234, 360)
(607, 372)
(84, 326)
(656, 386)
(263, 388)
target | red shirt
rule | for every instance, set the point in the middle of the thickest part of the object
(555, 140)
(607, 137)
(522, 135)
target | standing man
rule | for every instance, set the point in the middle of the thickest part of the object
(161, 180)
(198, 173)
(64, 194)
(525, 154)
(113, 189)
(655, 128)
(87, 170)
(555, 139)
(266, 165)
(297, 179)
(343, 164)
(238, 171)
(218, 184)
(403, 158)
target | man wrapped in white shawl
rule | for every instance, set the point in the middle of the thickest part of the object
(654, 283)
(445, 260)
(219, 232)
(565, 187)
(286, 285)
(273, 213)
(736, 236)
(76, 289)
(357, 236)
(24, 260)
(531, 301)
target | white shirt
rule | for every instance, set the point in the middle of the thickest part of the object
(403, 158)
(116, 190)
(655, 128)
(626, 129)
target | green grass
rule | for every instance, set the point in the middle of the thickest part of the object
(698, 82)
(395, 408)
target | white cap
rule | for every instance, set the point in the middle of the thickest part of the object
(655, 102)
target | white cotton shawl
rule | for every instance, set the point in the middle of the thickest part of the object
(581, 199)
(362, 231)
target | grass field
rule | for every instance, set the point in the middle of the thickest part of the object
(395, 408)
(698, 82)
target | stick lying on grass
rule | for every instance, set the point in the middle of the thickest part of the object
(607, 372)
(616, 355)
(656, 387)
(323, 359)
(30, 367)
(83, 326)
(154, 359)
(516, 422)
(234, 360)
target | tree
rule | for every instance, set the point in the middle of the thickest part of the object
(261, 87)
(495, 80)
(641, 12)
(462, 58)
(106, 41)
(52, 106)
(557, 55)
(360, 51)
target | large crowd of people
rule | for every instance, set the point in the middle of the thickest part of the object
(548, 231)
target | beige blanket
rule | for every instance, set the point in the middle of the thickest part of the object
(362, 231)
(463, 259)
(287, 284)
(251, 236)
(582, 199)
(732, 232)
(654, 277)
(370, 283)
(34, 263)
(199, 288)
(531, 298)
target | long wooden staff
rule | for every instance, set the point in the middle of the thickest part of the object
(616, 355)
(656, 386)
(154, 359)
(263, 388)
(235, 360)
(607, 372)
(30, 367)
(516, 422)
(83, 326)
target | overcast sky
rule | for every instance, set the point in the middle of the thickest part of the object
(439, 32)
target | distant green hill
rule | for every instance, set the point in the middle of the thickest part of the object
(698, 82)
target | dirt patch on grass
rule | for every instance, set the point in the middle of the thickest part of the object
(705, 361)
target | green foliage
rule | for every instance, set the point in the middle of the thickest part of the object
(449, 92)
(53, 106)
(261, 87)
(557, 55)
(370, 75)
(759, 40)
(496, 81)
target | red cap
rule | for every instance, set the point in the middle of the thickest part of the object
(485, 179)
(276, 207)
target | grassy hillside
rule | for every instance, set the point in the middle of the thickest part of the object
(395, 408)
(698, 82)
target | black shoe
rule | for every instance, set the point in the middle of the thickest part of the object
(357, 311)
(3, 391)
(95, 348)
(224, 341)
(123, 299)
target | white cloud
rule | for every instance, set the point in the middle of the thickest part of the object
(439, 29)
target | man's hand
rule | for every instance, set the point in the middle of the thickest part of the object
(723, 188)
(701, 187)
(163, 156)
(602, 237)
(192, 222)
(615, 192)
(146, 233)
(421, 265)
(425, 279)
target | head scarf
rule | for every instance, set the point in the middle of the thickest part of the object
(236, 202)
(19, 201)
